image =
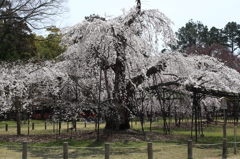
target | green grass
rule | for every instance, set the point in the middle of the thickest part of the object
(39, 127)
(92, 149)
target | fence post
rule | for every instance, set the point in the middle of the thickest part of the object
(190, 149)
(224, 155)
(32, 126)
(24, 150)
(6, 127)
(150, 151)
(45, 125)
(65, 150)
(107, 151)
(85, 124)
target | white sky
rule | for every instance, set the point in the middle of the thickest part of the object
(210, 12)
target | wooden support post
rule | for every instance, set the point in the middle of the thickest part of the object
(45, 125)
(24, 150)
(6, 127)
(195, 106)
(150, 150)
(131, 123)
(85, 124)
(235, 139)
(96, 126)
(59, 127)
(224, 124)
(190, 156)
(107, 151)
(65, 150)
(76, 126)
(32, 126)
(224, 154)
(67, 126)
(54, 126)
(28, 125)
(224, 107)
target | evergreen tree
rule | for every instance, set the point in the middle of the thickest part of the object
(192, 34)
(232, 34)
(49, 47)
(216, 37)
(16, 39)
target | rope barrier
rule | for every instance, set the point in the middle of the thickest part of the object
(10, 145)
(45, 147)
(128, 147)
(172, 145)
(85, 147)
(116, 147)
(207, 144)
(233, 142)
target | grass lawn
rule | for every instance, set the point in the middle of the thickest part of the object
(131, 147)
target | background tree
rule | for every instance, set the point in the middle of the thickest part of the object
(49, 47)
(232, 34)
(216, 36)
(37, 14)
(18, 19)
(16, 40)
(25, 82)
(220, 43)
(194, 33)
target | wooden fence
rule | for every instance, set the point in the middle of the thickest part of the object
(149, 150)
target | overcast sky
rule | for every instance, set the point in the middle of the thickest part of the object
(210, 12)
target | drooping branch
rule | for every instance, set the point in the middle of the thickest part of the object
(138, 6)
(137, 80)
(134, 16)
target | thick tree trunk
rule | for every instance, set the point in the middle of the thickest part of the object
(119, 120)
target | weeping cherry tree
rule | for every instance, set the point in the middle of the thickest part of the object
(119, 49)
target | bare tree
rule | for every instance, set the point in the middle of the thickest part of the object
(35, 13)
(18, 18)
